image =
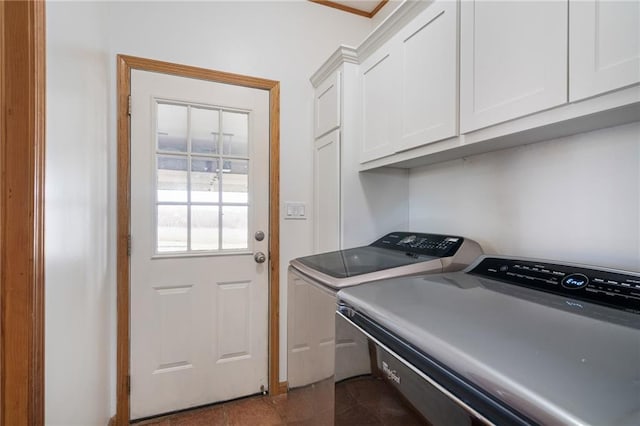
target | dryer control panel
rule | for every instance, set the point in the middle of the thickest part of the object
(617, 289)
(419, 244)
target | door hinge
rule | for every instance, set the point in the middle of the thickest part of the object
(129, 245)
(129, 105)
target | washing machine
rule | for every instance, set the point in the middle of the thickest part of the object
(313, 282)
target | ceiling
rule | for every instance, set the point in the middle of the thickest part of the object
(367, 8)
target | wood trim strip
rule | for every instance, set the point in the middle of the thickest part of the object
(22, 213)
(122, 238)
(283, 387)
(378, 7)
(37, 378)
(350, 9)
(2, 139)
(125, 64)
(196, 72)
(274, 240)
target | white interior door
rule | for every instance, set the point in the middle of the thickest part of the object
(199, 194)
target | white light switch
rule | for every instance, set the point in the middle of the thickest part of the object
(295, 210)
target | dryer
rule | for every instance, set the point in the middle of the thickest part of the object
(507, 341)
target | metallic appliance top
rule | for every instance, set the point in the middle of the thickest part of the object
(558, 342)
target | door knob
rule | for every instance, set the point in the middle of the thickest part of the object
(259, 257)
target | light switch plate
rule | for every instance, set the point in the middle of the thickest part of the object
(295, 210)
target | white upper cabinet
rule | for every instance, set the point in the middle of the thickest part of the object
(380, 98)
(439, 80)
(513, 60)
(429, 63)
(409, 85)
(604, 46)
(327, 105)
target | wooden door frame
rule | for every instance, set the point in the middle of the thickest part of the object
(22, 154)
(125, 65)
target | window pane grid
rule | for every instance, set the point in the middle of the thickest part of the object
(226, 157)
(213, 202)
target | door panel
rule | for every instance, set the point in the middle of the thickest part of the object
(604, 46)
(379, 76)
(513, 60)
(233, 314)
(429, 76)
(173, 344)
(327, 105)
(199, 191)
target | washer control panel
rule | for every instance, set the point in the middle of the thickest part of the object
(617, 289)
(419, 244)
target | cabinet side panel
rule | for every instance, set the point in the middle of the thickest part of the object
(327, 192)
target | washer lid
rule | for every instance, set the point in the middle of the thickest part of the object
(359, 261)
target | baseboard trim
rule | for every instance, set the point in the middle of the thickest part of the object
(283, 387)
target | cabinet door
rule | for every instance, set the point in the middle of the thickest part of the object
(604, 48)
(513, 60)
(326, 182)
(327, 105)
(429, 76)
(380, 80)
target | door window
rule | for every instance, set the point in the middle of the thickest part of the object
(202, 179)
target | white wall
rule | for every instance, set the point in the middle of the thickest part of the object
(79, 270)
(572, 199)
(284, 41)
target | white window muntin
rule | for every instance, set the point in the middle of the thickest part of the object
(220, 156)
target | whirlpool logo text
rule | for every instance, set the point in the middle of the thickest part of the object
(391, 374)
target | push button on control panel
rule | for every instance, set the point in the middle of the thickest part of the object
(421, 244)
(575, 281)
